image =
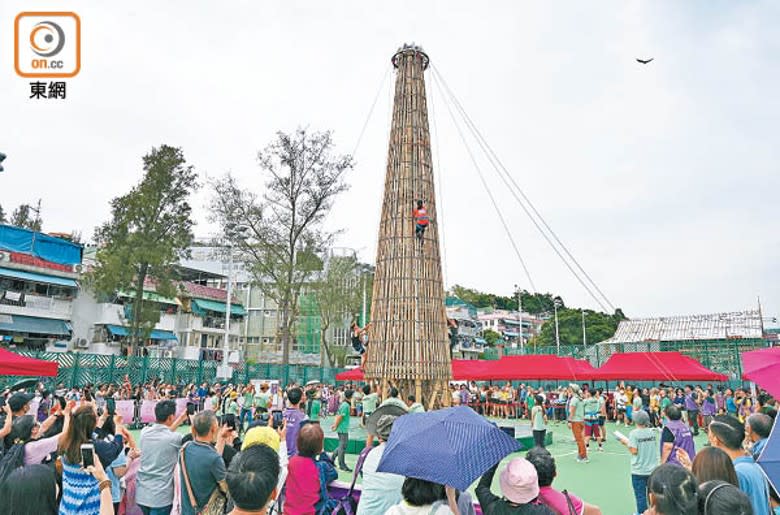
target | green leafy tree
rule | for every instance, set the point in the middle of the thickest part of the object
(284, 238)
(491, 337)
(339, 297)
(150, 230)
(598, 327)
(28, 217)
(533, 303)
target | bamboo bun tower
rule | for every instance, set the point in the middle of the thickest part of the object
(408, 342)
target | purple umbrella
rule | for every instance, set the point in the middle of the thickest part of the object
(453, 447)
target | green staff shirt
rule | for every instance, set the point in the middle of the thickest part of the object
(315, 409)
(579, 409)
(343, 426)
(537, 418)
(591, 408)
(232, 407)
(645, 441)
(369, 403)
(262, 400)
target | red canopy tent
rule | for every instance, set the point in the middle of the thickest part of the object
(356, 374)
(655, 366)
(541, 367)
(12, 364)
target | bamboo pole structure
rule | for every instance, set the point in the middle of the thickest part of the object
(408, 342)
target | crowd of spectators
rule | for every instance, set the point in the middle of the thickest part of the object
(251, 448)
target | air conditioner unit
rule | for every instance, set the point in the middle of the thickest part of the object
(78, 268)
(82, 343)
(5, 257)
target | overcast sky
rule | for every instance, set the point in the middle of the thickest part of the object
(662, 179)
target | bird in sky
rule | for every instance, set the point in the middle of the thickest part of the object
(644, 61)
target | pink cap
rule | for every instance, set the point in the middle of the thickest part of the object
(519, 481)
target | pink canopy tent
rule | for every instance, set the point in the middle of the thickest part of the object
(12, 364)
(763, 368)
(655, 366)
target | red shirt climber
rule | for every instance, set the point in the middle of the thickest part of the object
(420, 219)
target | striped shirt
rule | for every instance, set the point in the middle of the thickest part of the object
(80, 491)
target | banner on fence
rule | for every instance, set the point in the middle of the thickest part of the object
(147, 412)
(181, 406)
(126, 410)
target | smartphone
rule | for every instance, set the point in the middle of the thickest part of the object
(87, 455)
(278, 419)
(111, 406)
(190, 408)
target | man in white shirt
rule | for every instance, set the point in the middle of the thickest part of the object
(160, 444)
(379, 490)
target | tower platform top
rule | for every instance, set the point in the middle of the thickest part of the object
(410, 49)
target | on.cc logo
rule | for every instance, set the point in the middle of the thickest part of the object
(47, 39)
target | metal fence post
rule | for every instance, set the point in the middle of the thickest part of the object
(144, 368)
(111, 369)
(173, 371)
(74, 372)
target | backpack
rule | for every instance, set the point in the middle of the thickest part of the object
(347, 504)
(327, 473)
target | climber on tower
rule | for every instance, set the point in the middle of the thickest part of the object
(359, 336)
(421, 220)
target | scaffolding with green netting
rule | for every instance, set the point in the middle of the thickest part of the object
(308, 325)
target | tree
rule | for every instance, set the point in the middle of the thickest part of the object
(339, 295)
(23, 217)
(284, 241)
(150, 231)
(598, 327)
(491, 337)
(3, 219)
(533, 303)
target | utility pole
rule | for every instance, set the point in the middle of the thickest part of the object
(232, 232)
(520, 318)
(557, 303)
(584, 336)
(224, 371)
(363, 312)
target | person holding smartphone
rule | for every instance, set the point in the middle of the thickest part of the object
(81, 491)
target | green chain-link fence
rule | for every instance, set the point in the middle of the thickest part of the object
(78, 369)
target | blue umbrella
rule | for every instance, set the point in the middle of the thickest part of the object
(453, 447)
(769, 459)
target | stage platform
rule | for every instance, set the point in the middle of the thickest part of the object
(357, 435)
